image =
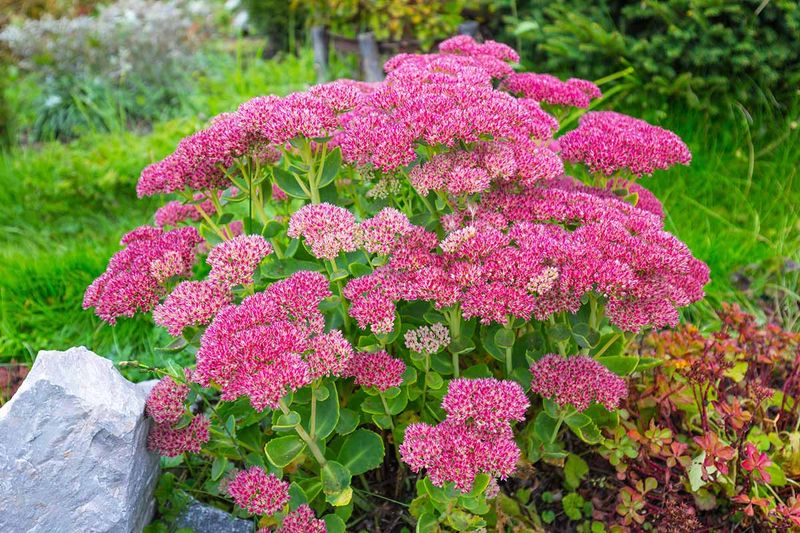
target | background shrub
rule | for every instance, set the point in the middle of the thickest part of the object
(127, 65)
(711, 54)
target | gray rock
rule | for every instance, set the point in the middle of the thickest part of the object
(202, 518)
(72, 449)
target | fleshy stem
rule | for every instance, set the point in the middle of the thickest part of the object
(386, 410)
(338, 283)
(509, 326)
(425, 383)
(313, 422)
(455, 333)
(301, 432)
(559, 421)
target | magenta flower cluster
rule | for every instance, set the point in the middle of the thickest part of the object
(551, 90)
(302, 520)
(271, 343)
(133, 280)
(578, 381)
(475, 437)
(166, 406)
(376, 369)
(609, 142)
(165, 403)
(257, 492)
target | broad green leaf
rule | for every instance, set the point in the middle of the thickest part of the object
(504, 338)
(271, 229)
(348, 421)
(286, 421)
(287, 181)
(336, 483)
(621, 365)
(359, 269)
(283, 450)
(361, 451)
(545, 427)
(218, 467)
(434, 380)
(575, 469)
(584, 427)
(333, 524)
(283, 268)
(331, 167)
(459, 346)
(327, 414)
(427, 523)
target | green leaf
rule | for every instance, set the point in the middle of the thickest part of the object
(434, 380)
(558, 332)
(504, 338)
(584, 427)
(287, 181)
(336, 483)
(283, 268)
(778, 477)
(575, 470)
(573, 504)
(621, 365)
(348, 421)
(271, 229)
(361, 451)
(218, 467)
(545, 427)
(359, 269)
(585, 337)
(696, 472)
(283, 450)
(330, 168)
(459, 346)
(286, 421)
(333, 524)
(427, 523)
(224, 219)
(327, 414)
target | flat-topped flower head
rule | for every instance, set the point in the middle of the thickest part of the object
(428, 339)
(133, 279)
(377, 369)
(551, 90)
(578, 381)
(233, 262)
(330, 355)
(174, 212)
(257, 492)
(608, 142)
(165, 403)
(302, 520)
(485, 402)
(170, 442)
(191, 303)
(326, 228)
(381, 233)
(456, 452)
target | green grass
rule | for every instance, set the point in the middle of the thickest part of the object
(66, 206)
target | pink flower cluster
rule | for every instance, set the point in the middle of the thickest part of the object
(327, 229)
(379, 234)
(165, 403)
(133, 279)
(257, 492)
(428, 339)
(233, 262)
(376, 369)
(608, 142)
(302, 520)
(476, 436)
(271, 343)
(170, 441)
(535, 251)
(175, 212)
(551, 90)
(191, 303)
(577, 381)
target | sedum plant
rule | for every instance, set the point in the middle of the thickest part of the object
(422, 276)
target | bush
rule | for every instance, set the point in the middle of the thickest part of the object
(710, 54)
(127, 65)
(400, 278)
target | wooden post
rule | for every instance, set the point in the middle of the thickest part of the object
(470, 27)
(370, 57)
(320, 43)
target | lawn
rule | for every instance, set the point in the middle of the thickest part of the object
(66, 206)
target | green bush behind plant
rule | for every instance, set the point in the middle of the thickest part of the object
(708, 53)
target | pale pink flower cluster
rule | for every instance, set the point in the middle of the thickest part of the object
(327, 229)
(302, 520)
(578, 381)
(191, 303)
(233, 262)
(165, 403)
(379, 234)
(428, 339)
(169, 441)
(551, 90)
(257, 492)
(376, 369)
(608, 142)
(267, 345)
(133, 279)
(476, 437)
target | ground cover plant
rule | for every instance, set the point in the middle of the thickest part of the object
(422, 276)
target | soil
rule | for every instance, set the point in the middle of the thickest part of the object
(11, 377)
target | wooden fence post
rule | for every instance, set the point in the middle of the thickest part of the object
(470, 28)
(320, 43)
(370, 57)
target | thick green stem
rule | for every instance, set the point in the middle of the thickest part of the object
(303, 434)
(557, 428)
(455, 334)
(425, 383)
(313, 422)
(510, 349)
(386, 410)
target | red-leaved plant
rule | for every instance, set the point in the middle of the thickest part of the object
(406, 265)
